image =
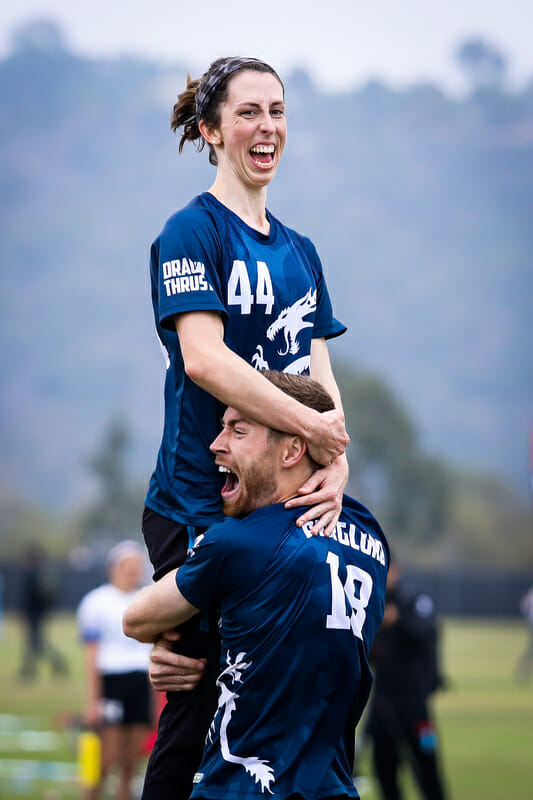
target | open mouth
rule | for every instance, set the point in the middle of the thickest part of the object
(263, 155)
(232, 483)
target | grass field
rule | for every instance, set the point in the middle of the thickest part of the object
(485, 718)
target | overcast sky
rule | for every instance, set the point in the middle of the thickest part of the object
(342, 42)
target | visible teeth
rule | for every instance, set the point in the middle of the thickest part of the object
(223, 469)
(263, 148)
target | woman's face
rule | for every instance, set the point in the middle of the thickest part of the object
(253, 129)
(127, 574)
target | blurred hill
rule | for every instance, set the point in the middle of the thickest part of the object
(420, 206)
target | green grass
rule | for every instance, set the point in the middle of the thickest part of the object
(485, 718)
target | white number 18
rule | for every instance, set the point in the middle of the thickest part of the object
(339, 619)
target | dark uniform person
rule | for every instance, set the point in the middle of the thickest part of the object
(37, 595)
(406, 672)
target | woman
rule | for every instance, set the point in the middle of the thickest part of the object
(234, 291)
(120, 699)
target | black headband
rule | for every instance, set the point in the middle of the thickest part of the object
(212, 80)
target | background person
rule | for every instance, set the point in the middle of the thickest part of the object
(1, 606)
(120, 699)
(404, 658)
(524, 666)
(37, 589)
(233, 289)
(298, 614)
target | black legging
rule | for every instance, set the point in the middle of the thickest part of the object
(397, 734)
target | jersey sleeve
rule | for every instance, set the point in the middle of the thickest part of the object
(186, 259)
(88, 619)
(205, 576)
(326, 325)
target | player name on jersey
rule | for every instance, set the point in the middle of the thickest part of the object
(351, 536)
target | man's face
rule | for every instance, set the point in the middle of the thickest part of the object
(247, 454)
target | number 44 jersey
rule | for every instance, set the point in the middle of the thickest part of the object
(298, 615)
(270, 292)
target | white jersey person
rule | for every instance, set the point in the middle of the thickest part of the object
(120, 699)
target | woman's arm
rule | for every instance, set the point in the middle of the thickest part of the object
(173, 672)
(94, 685)
(225, 375)
(324, 489)
(322, 372)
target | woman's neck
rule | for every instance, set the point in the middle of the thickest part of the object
(250, 206)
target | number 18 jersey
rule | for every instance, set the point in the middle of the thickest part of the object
(298, 615)
(272, 297)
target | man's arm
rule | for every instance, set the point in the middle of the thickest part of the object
(221, 372)
(156, 609)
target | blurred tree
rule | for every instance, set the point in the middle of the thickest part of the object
(433, 512)
(408, 490)
(40, 35)
(108, 464)
(488, 522)
(419, 496)
(116, 512)
(21, 522)
(483, 64)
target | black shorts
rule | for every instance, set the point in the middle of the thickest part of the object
(191, 712)
(126, 699)
(167, 541)
(185, 719)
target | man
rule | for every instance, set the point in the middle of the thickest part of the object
(406, 668)
(298, 615)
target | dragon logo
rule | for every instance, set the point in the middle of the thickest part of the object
(257, 359)
(259, 769)
(291, 322)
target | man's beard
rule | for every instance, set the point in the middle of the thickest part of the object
(258, 487)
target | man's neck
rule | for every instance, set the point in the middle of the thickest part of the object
(292, 485)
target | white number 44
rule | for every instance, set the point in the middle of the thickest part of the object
(339, 618)
(240, 290)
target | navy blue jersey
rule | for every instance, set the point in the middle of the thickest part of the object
(298, 617)
(271, 294)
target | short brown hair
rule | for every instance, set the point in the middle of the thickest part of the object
(303, 388)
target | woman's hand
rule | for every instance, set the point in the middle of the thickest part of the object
(329, 439)
(172, 672)
(323, 492)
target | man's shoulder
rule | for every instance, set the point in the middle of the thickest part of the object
(359, 530)
(267, 518)
(353, 507)
(355, 511)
